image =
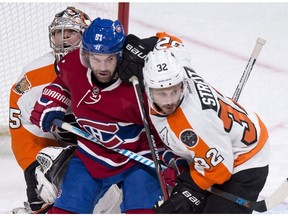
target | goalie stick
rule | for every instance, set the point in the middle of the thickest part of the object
(261, 206)
(255, 53)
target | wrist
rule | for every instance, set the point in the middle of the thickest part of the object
(56, 94)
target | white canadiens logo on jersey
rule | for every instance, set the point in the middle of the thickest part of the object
(95, 97)
(189, 137)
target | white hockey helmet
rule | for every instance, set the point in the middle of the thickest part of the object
(161, 69)
(70, 18)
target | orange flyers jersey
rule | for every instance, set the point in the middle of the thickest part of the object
(27, 139)
(214, 133)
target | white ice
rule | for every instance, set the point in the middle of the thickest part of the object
(221, 37)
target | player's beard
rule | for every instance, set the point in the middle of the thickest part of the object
(104, 76)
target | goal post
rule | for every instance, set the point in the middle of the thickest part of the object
(24, 37)
(123, 15)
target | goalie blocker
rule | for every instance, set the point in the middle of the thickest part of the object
(49, 174)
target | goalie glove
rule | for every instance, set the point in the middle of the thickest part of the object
(52, 104)
(133, 55)
(49, 174)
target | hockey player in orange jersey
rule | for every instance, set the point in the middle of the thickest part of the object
(27, 140)
(225, 145)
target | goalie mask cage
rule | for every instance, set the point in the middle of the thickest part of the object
(24, 37)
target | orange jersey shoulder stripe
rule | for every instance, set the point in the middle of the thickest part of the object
(214, 174)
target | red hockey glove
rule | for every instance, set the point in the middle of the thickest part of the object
(52, 104)
(176, 165)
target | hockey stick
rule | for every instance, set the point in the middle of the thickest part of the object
(260, 206)
(264, 205)
(125, 152)
(255, 53)
(150, 138)
(282, 192)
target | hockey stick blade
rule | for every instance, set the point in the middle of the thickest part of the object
(260, 206)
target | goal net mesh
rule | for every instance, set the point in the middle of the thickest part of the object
(24, 37)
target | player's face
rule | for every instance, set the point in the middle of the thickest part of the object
(68, 38)
(167, 98)
(103, 66)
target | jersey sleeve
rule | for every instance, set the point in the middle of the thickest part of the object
(27, 139)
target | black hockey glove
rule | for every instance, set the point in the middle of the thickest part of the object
(133, 55)
(186, 197)
(65, 137)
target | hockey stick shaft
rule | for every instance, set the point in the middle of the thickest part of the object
(150, 138)
(127, 153)
(260, 206)
(255, 53)
(264, 205)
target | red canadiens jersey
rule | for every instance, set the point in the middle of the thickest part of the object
(111, 115)
(214, 133)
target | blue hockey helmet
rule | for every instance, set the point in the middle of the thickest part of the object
(103, 36)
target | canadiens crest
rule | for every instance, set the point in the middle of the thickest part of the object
(189, 137)
(94, 97)
(22, 86)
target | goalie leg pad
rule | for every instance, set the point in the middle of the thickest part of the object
(45, 189)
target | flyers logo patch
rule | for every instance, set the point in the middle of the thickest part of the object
(22, 86)
(189, 138)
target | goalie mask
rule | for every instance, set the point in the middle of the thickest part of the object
(164, 80)
(66, 30)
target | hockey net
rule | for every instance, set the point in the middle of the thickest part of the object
(24, 37)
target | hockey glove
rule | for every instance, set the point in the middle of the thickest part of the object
(52, 105)
(186, 197)
(50, 173)
(167, 41)
(63, 136)
(180, 53)
(175, 166)
(133, 55)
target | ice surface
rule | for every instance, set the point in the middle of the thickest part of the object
(221, 37)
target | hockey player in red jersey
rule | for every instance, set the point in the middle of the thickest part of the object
(105, 107)
(225, 144)
(65, 32)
